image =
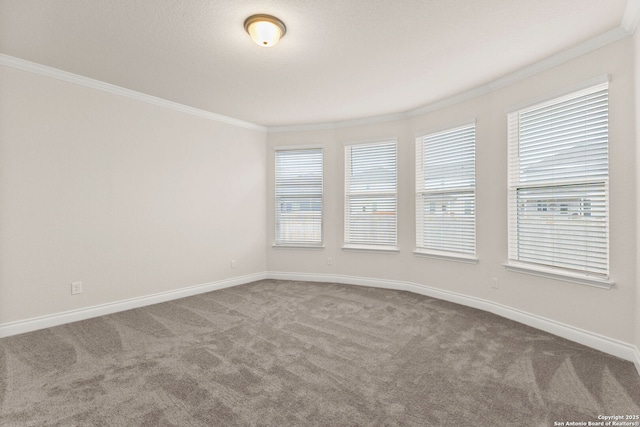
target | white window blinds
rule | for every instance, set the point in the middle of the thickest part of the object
(370, 195)
(445, 191)
(558, 183)
(298, 197)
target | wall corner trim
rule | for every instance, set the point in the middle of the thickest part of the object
(65, 76)
(56, 319)
(631, 16)
(605, 344)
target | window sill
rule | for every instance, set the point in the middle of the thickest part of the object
(447, 256)
(551, 273)
(371, 248)
(303, 247)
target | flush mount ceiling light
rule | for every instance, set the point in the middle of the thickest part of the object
(265, 30)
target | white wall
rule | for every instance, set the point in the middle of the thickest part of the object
(636, 46)
(130, 198)
(610, 313)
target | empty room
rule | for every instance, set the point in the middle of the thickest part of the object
(319, 213)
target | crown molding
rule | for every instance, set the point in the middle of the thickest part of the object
(339, 124)
(629, 23)
(54, 73)
(631, 16)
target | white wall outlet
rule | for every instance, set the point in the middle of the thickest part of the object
(233, 263)
(329, 261)
(76, 288)
(494, 282)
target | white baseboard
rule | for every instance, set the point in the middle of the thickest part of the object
(33, 324)
(599, 342)
(607, 345)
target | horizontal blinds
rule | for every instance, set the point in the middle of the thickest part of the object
(558, 183)
(298, 197)
(445, 191)
(565, 141)
(370, 194)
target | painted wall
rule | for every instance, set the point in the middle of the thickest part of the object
(636, 46)
(130, 198)
(607, 312)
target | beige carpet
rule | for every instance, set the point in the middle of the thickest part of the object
(279, 353)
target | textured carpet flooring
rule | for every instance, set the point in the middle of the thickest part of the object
(281, 353)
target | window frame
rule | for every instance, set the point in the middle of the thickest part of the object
(421, 249)
(368, 246)
(285, 244)
(514, 263)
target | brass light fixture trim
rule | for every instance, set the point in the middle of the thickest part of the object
(265, 30)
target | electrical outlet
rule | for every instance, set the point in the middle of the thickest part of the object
(76, 288)
(494, 282)
(233, 263)
(329, 261)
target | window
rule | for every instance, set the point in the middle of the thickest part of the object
(298, 197)
(558, 184)
(371, 196)
(445, 192)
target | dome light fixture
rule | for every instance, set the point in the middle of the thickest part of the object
(265, 30)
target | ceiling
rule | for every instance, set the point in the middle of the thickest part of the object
(340, 59)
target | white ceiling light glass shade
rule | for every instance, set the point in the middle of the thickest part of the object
(265, 30)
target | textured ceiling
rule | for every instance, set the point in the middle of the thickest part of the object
(340, 59)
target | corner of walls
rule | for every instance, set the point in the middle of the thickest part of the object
(636, 55)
